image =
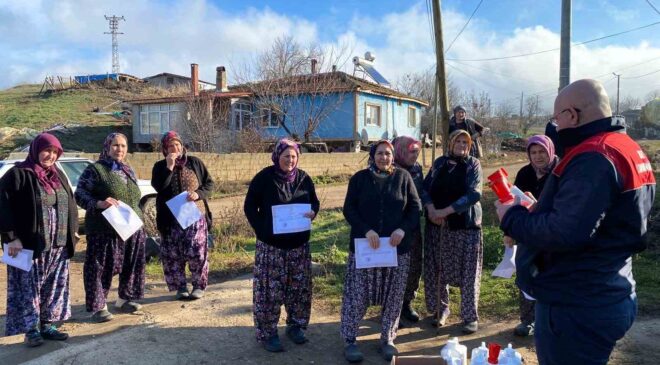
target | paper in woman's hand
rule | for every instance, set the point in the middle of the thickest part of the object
(290, 218)
(23, 259)
(123, 219)
(383, 256)
(185, 211)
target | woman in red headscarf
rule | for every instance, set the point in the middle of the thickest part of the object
(38, 213)
(282, 260)
(175, 174)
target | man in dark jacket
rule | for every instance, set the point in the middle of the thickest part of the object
(575, 246)
(476, 130)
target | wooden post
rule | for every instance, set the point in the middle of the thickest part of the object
(441, 78)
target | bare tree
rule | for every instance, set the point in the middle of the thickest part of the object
(205, 121)
(655, 94)
(293, 87)
(532, 115)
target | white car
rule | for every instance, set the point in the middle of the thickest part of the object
(73, 167)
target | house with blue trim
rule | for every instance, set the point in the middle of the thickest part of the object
(334, 108)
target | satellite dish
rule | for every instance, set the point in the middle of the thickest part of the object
(364, 137)
(369, 56)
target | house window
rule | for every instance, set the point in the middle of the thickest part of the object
(268, 118)
(241, 114)
(372, 114)
(412, 117)
(156, 119)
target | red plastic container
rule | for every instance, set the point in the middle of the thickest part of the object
(493, 353)
(499, 182)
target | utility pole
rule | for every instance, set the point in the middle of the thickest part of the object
(522, 97)
(565, 50)
(440, 79)
(618, 80)
(114, 30)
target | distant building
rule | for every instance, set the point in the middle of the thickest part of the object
(167, 80)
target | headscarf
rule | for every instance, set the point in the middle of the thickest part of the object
(402, 148)
(168, 137)
(372, 158)
(48, 178)
(453, 136)
(106, 160)
(549, 147)
(458, 108)
(280, 147)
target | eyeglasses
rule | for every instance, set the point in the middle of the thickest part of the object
(554, 117)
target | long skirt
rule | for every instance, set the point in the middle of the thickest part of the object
(415, 271)
(281, 277)
(107, 256)
(453, 257)
(383, 286)
(180, 246)
(40, 295)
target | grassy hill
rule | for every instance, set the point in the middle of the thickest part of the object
(23, 111)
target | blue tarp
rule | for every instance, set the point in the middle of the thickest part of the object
(92, 78)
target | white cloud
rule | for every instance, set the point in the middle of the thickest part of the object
(66, 37)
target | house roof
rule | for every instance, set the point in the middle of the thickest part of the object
(183, 98)
(174, 75)
(337, 81)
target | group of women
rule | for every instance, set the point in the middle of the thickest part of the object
(38, 212)
(383, 204)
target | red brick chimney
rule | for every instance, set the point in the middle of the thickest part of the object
(221, 79)
(194, 79)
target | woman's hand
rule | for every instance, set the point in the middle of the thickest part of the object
(107, 203)
(374, 240)
(14, 247)
(192, 196)
(396, 237)
(311, 214)
(170, 159)
(508, 241)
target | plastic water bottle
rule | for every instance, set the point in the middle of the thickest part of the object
(510, 357)
(479, 355)
(454, 353)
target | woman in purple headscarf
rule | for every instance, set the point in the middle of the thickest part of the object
(102, 185)
(175, 174)
(531, 178)
(38, 213)
(282, 265)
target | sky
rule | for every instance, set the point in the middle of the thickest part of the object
(66, 38)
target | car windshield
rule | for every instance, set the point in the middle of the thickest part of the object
(73, 170)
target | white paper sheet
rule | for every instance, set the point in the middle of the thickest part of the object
(527, 296)
(366, 257)
(289, 218)
(507, 267)
(22, 261)
(185, 212)
(123, 219)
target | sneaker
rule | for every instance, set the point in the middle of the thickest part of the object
(102, 316)
(182, 294)
(388, 350)
(130, 307)
(524, 329)
(353, 354)
(470, 327)
(296, 334)
(273, 344)
(50, 332)
(33, 338)
(197, 294)
(409, 313)
(435, 322)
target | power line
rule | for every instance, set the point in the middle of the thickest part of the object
(501, 74)
(640, 76)
(554, 49)
(654, 8)
(464, 26)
